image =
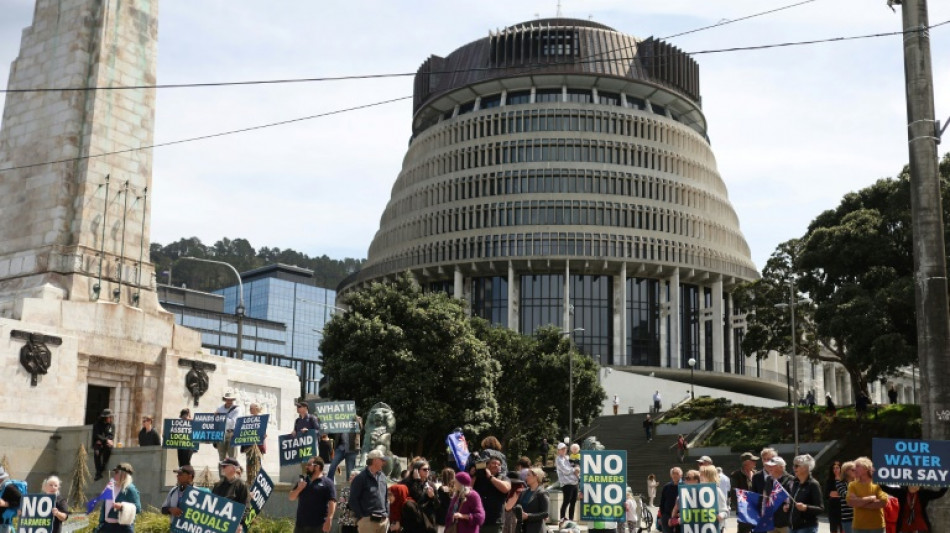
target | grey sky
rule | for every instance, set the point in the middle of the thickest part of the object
(793, 129)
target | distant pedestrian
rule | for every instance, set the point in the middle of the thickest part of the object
(657, 402)
(652, 484)
(861, 404)
(830, 407)
(648, 428)
(810, 401)
(892, 394)
(616, 404)
(682, 447)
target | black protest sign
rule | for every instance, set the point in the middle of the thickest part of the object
(911, 461)
(337, 417)
(36, 513)
(297, 449)
(177, 433)
(249, 430)
(208, 427)
(204, 512)
(258, 495)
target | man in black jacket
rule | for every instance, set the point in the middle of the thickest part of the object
(668, 498)
(147, 435)
(103, 437)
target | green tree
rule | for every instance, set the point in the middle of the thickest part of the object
(418, 352)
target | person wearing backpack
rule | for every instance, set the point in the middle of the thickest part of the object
(11, 492)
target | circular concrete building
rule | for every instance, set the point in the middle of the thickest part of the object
(560, 173)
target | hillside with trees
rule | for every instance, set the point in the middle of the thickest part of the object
(327, 272)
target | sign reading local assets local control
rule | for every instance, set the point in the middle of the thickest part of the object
(699, 508)
(36, 513)
(204, 512)
(336, 417)
(177, 432)
(911, 461)
(249, 430)
(604, 479)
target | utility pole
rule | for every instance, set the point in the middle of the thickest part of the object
(930, 268)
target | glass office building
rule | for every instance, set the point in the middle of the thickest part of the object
(560, 172)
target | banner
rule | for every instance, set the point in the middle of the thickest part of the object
(604, 480)
(336, 417)
(177, 434)
(249, 430)
(911, 461)
(36, 513)
(204, 512)
(699, 507)
(258, 495)
(295, 450)
(208, 427)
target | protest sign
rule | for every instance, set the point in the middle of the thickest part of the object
(249, 430)
(177, 433)
(208, 427)
(699, 508)
(258, 495)
(36, 513)
(604, 478)
(294, 450)
(204, 512)
(336, 417)
(911, 461)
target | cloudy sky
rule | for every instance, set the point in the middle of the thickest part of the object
(793, 128)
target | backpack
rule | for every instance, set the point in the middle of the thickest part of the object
(9, 513)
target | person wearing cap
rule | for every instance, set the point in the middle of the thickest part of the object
(368, 496)
(125, 494)
(317, 499)
(776, 470)
(231, 486)
(568, 477)
(465, 509)
(147, 435)
(703, 461)
(184, 456)
(184, 478)
(742, 479)
(233, 412)
(103, 437)
(305, 421)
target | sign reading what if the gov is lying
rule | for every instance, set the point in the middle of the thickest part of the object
(604, 481)
(336, 417)
(911, 462)
(204, 512)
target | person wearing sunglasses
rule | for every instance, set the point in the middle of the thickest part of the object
(806, 502)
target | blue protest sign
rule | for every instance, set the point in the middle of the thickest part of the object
(249, 430)
(177, 434)
(208, 427)
(36, 513)
(336, 417)
(699, 507)
(911, 461)
(204, 512)
(604, 479)
(294, 450)
(258, 495)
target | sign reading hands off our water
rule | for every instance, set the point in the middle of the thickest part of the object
(911, 462)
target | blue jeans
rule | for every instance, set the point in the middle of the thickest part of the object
(846, 526)
(338, 457)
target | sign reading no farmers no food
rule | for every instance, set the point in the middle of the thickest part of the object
(604, 479)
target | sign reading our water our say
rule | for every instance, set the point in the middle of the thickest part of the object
(204, 512)
(699, 508)
(258, 495)
(249, 430)
(36, 513)
(604, 479)
(208, 427)
(297, 449)
(911, 461)
(336, 417)
(177, 433)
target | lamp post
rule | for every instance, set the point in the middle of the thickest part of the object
(238, 311)
(692, 377)
(792, 303)
(570, 384)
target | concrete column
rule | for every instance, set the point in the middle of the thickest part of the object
(831, 381)
(566, 318)
(664, 312)
(620, 317)
(457, 289)
(847, 397)
(675, 320)
(719, 357)
(703, 312)
(730, 354)
(513, 299)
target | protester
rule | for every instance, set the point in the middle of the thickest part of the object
(346, 447)
(866, 498)
(184, 478)
(703, 461)
(184, 455)
(805, 502)
(524, 464)
(841, 483)
(125, 494)
(465, 509)
(425, 501)
(511, 521)
(913, 500)
(103, 440)
(305, 421)
(632, 511)
(233, 412)
(60, 509)
(568, 477)
(668, 499)
(742, 479)
(691, 477)
(317, 499)
(492, 487)
(758, 479)
(652, 484)
(254, 452)
(648, 428)
(398, 494)
(231, 486)
(10, 496)
(833, 498)
(444, 493)
(148, 436)
(710, 474)
(347, 518)
(534, 503)
(725, 484)
(776, 471)
(368, 496)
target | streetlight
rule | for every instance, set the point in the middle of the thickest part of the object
(570, 386)
(792, 303)
(692, 377)
(238, 311)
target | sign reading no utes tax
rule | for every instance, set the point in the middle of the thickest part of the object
(604, 482)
